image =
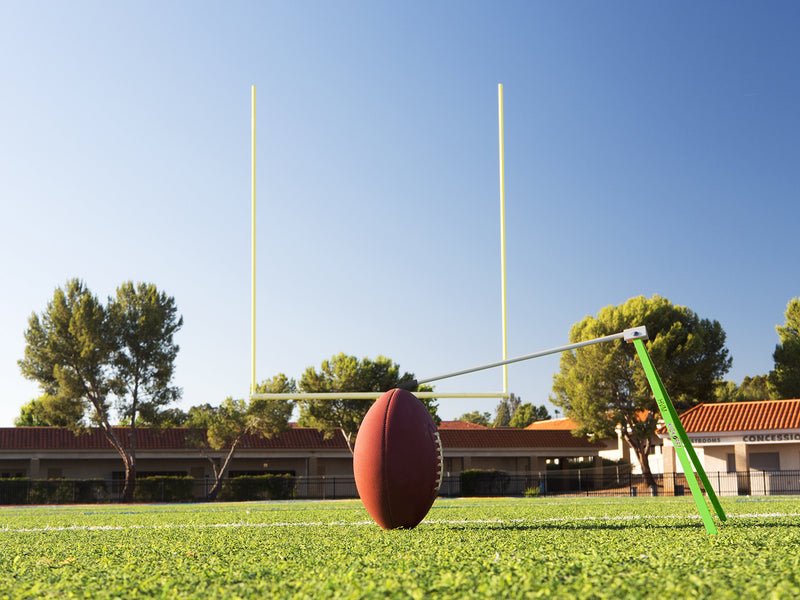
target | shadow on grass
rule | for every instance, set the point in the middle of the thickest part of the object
(687, 523)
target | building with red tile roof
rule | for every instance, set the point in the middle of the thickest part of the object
(460, 425)
(615, 448)
(52, 452)
(740, 416)
(744, 438)
(509, 449)
(560, 423)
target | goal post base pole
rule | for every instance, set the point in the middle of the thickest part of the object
(690, 462)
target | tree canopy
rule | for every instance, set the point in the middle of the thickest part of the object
(143, 323)
(505, 411)
(51, 411)
(528, 413)
(510, 412)
(602, 387)
(226, 426)
(84, 354)
(343, 373)
(477, 417)
(784, 379)
(752, 389)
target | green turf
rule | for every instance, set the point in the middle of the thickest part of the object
(497, 548)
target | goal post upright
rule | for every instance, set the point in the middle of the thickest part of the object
(253, 242)
(504, 326)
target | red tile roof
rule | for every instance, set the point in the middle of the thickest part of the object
(459, 425)
(511, 438)
(554, 424)
(57, 438)
(742, 416)
(568, 424)
(298, 438)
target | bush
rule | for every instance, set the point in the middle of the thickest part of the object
(477, 482)
(14, 490)
(89, 491)
(52, 491)
(258, 487)
(164, 489)
(532, 492)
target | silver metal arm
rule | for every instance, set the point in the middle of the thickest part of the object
(628, 335)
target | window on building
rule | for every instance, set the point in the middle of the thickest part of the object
(731, 463)
(765, 461)
(654, 449)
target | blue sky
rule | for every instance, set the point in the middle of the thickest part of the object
(651, 148)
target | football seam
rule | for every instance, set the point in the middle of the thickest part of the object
(384, 466)
(440, 454)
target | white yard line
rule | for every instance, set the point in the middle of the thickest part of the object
(241, 524)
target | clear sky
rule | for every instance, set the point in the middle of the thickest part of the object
(651, 148)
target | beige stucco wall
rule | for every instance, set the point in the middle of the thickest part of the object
(714, 457)
(81, 466)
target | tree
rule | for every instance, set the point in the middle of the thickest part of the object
(505, 411)
(784, 379)
(602, 387)
(344, 373)
(164, 419)
(68, 351)
(167, 418)
(83, 354)
(752, 389)
(143, 322)
(528, 413)
(51, 411)
(478, 418)
(226, 427)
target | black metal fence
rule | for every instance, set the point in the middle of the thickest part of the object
(570, 482)
(584, 482)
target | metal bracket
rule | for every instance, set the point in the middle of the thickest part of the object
(635, 333)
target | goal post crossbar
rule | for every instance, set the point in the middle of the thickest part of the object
(370, 395)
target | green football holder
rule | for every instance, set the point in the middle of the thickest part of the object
(690, 462)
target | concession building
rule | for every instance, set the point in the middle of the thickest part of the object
(745, 447)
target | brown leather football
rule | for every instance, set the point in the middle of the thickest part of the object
(398, 460)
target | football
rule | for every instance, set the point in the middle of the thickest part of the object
(397, 460)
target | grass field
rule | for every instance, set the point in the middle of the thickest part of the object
(466, 548)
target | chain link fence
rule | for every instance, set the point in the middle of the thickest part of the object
(568, 482)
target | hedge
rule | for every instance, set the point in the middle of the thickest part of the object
(258, 487)
(22, 490)
(164, 489)
(477, 482)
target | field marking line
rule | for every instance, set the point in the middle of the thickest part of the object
(603, 518)
(243, 524)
